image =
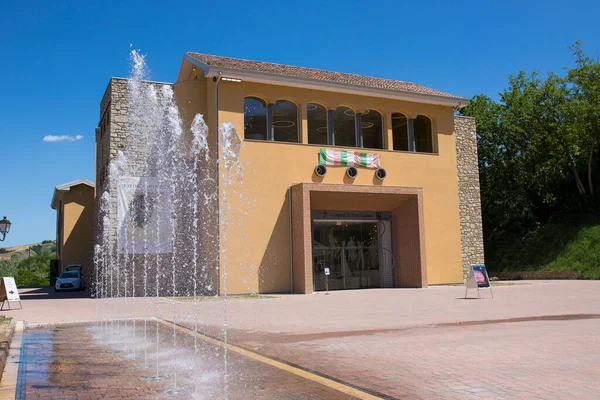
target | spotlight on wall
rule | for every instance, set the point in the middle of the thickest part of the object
(351, 172)
(380, 173)
(320, 170)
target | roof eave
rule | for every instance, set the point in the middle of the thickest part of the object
(54, 202)
(316, 84)
(66, 187)
(194, 61)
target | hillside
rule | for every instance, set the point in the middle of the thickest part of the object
(20, 252)
(28, 271)
(570, 245)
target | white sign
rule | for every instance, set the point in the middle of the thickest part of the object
(144, 211)
(10, 288)
(326, 271)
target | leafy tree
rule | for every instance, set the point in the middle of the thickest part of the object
(537, 148)
(585, 89)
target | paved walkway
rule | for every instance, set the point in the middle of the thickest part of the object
(533, 341)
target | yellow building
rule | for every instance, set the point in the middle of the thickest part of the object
(348, 181)
(74, 205)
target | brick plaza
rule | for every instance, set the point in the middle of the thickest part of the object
(535, 340)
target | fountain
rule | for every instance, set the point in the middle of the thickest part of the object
(157, 236)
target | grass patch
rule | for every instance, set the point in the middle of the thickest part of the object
(582, 254)
(4, 323)
(570, 245)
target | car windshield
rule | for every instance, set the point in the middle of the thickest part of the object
(66, 275)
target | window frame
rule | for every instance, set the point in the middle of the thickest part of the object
(333, 132)
(382, 138)
(271, 127)
(266, 105)
(433, 147)
(327, 124)
(408, 129)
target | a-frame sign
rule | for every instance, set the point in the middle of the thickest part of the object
(478, 279)
(9, 292)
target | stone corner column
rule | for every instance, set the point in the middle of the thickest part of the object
(469, 198)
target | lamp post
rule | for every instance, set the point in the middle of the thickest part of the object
(4, 228)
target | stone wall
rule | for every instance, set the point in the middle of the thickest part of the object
(468, 193)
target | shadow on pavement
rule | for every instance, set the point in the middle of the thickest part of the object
(47, 292)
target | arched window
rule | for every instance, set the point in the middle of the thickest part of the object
(255, 118)
(400, 131)
(317, 123)
(423, 136)
(372, 130)
(285, 121)
(344, 126)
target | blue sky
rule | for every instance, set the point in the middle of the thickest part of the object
(56, 58)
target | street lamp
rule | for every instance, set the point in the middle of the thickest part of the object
(4, 228)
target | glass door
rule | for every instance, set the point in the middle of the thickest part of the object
(351, 252)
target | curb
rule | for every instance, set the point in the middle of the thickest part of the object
(5, 345)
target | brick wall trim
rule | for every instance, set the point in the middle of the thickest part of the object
(408, 233)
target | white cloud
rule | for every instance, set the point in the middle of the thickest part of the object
(60, 138)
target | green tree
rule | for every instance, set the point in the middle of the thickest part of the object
(537, 149)
(585, 90)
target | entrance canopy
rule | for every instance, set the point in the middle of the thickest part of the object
(404, 204)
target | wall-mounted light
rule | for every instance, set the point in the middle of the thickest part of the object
(320, 170)
(231, 79)
(351, 172)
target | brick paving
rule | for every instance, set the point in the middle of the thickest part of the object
(507, 360)
(533, 341)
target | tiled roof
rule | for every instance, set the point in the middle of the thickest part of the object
(316, 74)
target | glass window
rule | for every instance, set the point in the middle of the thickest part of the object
(344, 127)
(255, 118)
(400, 131)
(372, 130)
(317, 123)
(285, 121)
(350, 250)
(69, 275)
(423, 137)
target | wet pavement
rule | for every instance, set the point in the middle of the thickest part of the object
(115, 360)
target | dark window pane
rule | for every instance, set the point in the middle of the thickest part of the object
(255, 119)
(400, 131)
(423, 137)
(344, 127)
(372, 130)
(285, 121)
(317, 123)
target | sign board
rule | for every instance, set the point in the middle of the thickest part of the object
(9, 292)
(144, 212)
(338, 215)
(478, 279)
(327, 271)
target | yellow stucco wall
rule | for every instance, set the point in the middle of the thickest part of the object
(78, 213)
(258, 242)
